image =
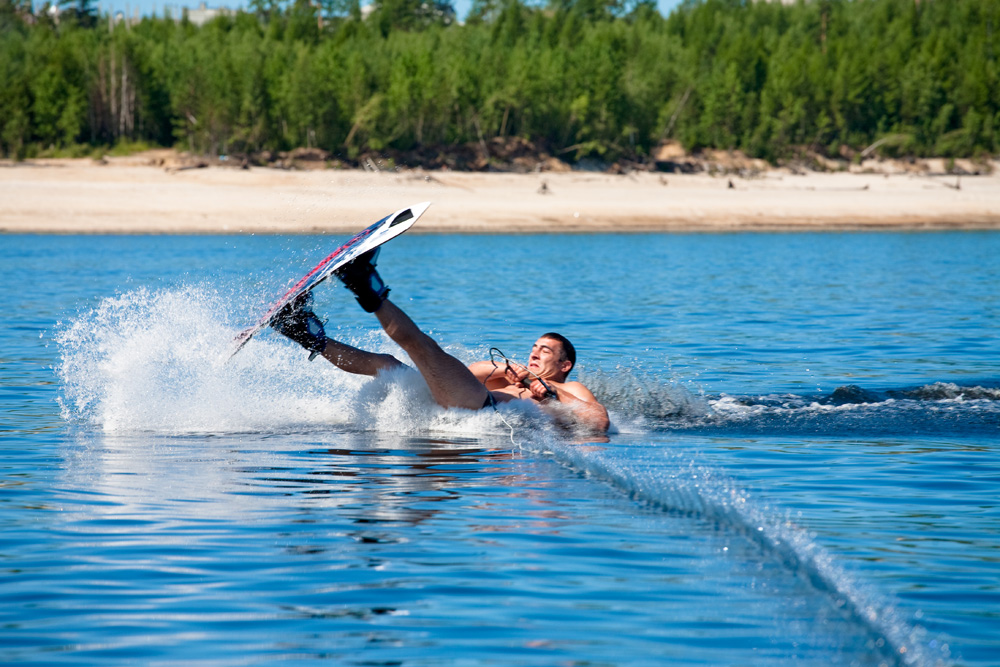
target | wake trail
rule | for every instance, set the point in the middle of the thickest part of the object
(676, 483)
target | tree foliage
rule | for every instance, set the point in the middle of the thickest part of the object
(601, 78)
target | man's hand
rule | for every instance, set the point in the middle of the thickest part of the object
(542, 391)
(516, 374)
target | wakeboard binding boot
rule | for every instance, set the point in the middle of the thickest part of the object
(359, 276)
(298, 322)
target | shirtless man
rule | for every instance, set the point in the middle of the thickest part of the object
(452, 384)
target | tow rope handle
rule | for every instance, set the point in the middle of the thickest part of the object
(526, 383)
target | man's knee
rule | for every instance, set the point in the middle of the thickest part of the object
(386, 362)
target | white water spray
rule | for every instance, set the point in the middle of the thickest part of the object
(158, 361)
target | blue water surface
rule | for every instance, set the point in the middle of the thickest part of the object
(804, 465)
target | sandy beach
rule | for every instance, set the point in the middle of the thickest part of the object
(137, 196)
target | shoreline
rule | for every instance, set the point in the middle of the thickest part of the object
(134, 196)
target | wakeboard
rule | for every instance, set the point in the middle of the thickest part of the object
(384, 230)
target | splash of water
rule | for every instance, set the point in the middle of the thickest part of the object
(158, 361)
(638, 400)
(154, 361)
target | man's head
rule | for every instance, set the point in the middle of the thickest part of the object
(552, 357)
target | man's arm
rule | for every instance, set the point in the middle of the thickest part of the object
(488, 374)
(585, 406)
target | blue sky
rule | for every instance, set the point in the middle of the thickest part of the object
(149, 6)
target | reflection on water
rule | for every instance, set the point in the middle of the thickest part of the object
(437, 546)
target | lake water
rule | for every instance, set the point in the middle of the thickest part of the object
(804, 466)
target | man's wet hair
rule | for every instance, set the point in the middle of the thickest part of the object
(568, 350)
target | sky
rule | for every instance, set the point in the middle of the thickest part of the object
(150, 6)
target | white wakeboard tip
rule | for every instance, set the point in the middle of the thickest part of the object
(407, 215)
(418, 209)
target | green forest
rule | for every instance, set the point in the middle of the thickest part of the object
(578, 78)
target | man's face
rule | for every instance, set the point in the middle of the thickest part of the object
(547, 359)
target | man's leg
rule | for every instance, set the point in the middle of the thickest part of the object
(298, 322)
(359, 362)
(452, 384)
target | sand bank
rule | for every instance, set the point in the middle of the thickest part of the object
(125, 196)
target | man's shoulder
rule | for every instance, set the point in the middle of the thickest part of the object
(579, 388)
